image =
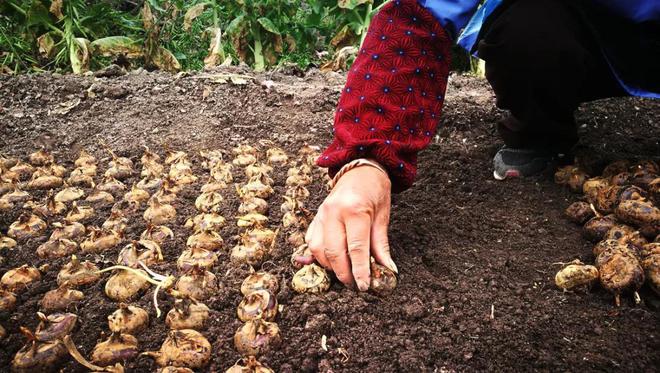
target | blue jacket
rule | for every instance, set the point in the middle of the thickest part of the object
(463, 20)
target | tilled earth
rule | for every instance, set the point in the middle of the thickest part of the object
(477, 257)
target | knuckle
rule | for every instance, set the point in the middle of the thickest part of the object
(356, 247)
(331, 255)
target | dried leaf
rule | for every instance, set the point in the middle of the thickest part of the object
(344, 37)
(216, 53)
(340, 60)
(79, 55)
(191, 14)
(56, 9)
(116, 45)
(46, 45)
(65, 107)
(351, 4)
(291, 43)
(147, 16)
(165, 60)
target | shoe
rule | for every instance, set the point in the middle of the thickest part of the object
(522, 162)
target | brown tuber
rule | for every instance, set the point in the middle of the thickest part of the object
(591, 187)
(639, 213)
(183, 348)
(651, 264)
(70, 194)
(7, 300)
(383, 279)
(55, 326)
(100, 198)
(576, 275)
(207, 240)
(187, 314)
(118, 348)
(259, 304)
(77, 273)
(100, 240)
(57, 248)
(128, 319)
(249, 365)
(253, 253)
(256, 337)
(27, 226)
(197, 283)
(37, 356)
(619, 270)
(311, 279)
(79, 213)
(41, 158)
(579, 212)
(196, 257)
(596, 228)
(157, 233)
(260, 281)
(209, 202)
(60, 299)
(17, 279)
(123, 285)
(70, 231)
(206, 222)
(159, 213)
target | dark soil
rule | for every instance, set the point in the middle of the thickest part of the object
(477, 257)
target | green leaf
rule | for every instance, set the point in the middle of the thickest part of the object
(38, 14)
(235, 24)
(352, 4)
(268, 25)
(114, 45)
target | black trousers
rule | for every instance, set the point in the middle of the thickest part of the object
(543, 60)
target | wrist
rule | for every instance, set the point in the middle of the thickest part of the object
(359, 163)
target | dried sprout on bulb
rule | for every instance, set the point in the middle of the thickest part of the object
(128, 319)
(60, 299)
(37, 355)
(79, 213)
(159, 213)
(41, 158)
(222, 173)
(77, 273)
(197, 283)
(118, 348)
(205, 222)
(27, 226)
(183, 348)
(99, 240)
(56, 248)
(576, 275)
(256, 337)
(157, 233)
(259, 304)
(85, 159)
(311, 279)
(298, 192)
(187, 314)
(150, 162)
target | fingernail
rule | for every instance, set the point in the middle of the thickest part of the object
(362, 285)
(393, 267)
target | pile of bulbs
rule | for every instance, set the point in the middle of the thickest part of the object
(620, 215)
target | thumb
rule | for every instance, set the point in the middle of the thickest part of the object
(380, 244)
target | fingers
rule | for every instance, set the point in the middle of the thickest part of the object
(335, 250)
(314, 239)
(380, 244)
(358, 237)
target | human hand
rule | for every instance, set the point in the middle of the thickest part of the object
(351, 225)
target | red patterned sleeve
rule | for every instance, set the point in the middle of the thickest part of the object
(391, 104)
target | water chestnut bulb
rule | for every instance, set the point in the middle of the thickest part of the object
(118, 348)
(256, 337)
(77, 273)
(259, 304)
(311, 279)
(128, 319)
(260, 281)
(576, 275)
(183, 348)
(187, 314)
(17, 279)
